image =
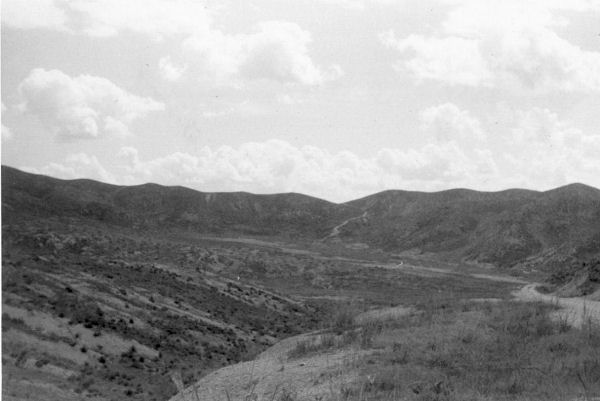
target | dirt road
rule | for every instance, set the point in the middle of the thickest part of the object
(577, 311)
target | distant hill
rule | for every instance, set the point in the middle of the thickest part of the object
(503, 228)
(159, 207)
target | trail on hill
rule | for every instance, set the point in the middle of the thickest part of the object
(335, 232)
(576, 311)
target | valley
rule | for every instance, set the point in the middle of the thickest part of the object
(109, 292)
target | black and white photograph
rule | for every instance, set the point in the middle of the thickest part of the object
(300, 200)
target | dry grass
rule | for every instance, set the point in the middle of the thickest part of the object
(481, 352)
(467, 351)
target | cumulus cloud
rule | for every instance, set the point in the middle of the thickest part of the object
(102, 18)
(278, 166)
(276, 50)
(78, 165)
(542, 151)
(81, 107)
(7, 133)
(33, 14)
(508, 44)
(549, 151)
(446, 121)
(169, 70)
(454, 60)
(358, 5)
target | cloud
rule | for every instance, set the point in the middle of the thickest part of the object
(81, 107)
(32, 14)
(78, 165)
(7, 133)
(503, 44)
(278, 166)
(453, 60)
(276, 51)
(103, 18)
(438, 164)
(541, 150)
(359, 5)
(169, 70)
(549, 151)
(541, 126)
(446, 121)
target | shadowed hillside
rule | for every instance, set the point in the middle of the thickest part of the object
(504, 228)
(156, 206)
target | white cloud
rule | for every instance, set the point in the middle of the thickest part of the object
(454, 60)
(169, 70)
(542, 127)
(501, 44)
(152, 17)
(7, 133)
(78, 165)
(31, 14)
(438, 164)
(548, 151)
(102, 18)
(446, 121)
(359, 5)
(276, 51)
(81, 107)
(541, 151)
(277, 166)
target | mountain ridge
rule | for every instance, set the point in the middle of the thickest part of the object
(504, 228)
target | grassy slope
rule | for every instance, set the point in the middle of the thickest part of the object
(444, 351)
(116, 314)
(78, 297)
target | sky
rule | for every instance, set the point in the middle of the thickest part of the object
(337, 99)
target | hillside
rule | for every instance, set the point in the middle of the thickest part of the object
(107, 291)
(152, 206)
(507, 228)
(501, 228)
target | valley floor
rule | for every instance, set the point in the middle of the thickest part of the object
(94, 313)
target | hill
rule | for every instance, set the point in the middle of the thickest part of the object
(506, 228)
(152, 206)
(502, 228)
(107, 291)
